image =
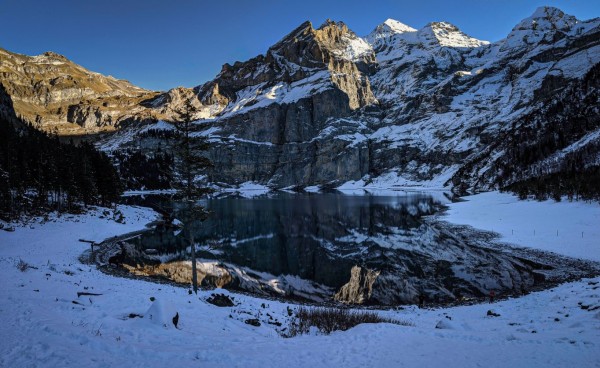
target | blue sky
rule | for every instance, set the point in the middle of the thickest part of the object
(160, 44)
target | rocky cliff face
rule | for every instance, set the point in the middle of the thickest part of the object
(326, 107)
(399, 107)
(269, 118)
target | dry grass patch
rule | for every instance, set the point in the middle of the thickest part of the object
(327, 320)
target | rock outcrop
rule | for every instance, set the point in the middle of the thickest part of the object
(360, 287)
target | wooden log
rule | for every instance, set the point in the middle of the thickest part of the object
(80, 293)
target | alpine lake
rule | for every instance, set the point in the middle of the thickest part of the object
(335, 248)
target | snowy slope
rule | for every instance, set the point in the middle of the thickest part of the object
(45, 323)
(447, 95)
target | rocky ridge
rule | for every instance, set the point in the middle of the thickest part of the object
(278, 107)
(55, 94)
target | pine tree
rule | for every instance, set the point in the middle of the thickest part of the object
(37, 172)
(190, 164)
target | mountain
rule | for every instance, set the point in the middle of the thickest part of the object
(445, 105)
(401, 106)
(270, 119)
(55, 94)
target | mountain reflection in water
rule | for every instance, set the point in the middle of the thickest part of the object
(355, 249)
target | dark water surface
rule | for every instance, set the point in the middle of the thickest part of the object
(356, 249)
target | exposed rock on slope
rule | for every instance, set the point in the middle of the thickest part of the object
(56, 94)
(7, 111)
(557, 137)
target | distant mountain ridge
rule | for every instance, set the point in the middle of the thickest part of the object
(399, 107)
(55, 94)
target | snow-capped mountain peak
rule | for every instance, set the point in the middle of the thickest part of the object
(343, 42)
(387, 29)
(447, 35)
(541, 26)
(547, 18)
(395, 26)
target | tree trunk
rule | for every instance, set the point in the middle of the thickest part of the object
(194, 274)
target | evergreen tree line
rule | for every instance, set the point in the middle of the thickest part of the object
(525, 167)
(165, 167)
(150, 170)
(574, 184)
(563, 122)
(38, 173)
(145, 171)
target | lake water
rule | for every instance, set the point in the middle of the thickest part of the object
(353, 249)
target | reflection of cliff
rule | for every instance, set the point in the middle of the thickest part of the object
(298, 235)
(370, 249)
(434, 262)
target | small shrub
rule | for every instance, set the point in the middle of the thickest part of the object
(22, 265)
(119, 217)
(327, 320)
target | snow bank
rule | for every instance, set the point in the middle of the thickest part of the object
(58, 237)
(162, 313)
(567, 228)
(391, 182)
(249, 189)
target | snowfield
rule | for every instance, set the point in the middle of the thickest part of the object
(45, 323)
(571, 229)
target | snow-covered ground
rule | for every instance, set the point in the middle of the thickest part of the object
(133, 193)
(567, 228)
(391, 181)
(44, 323)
